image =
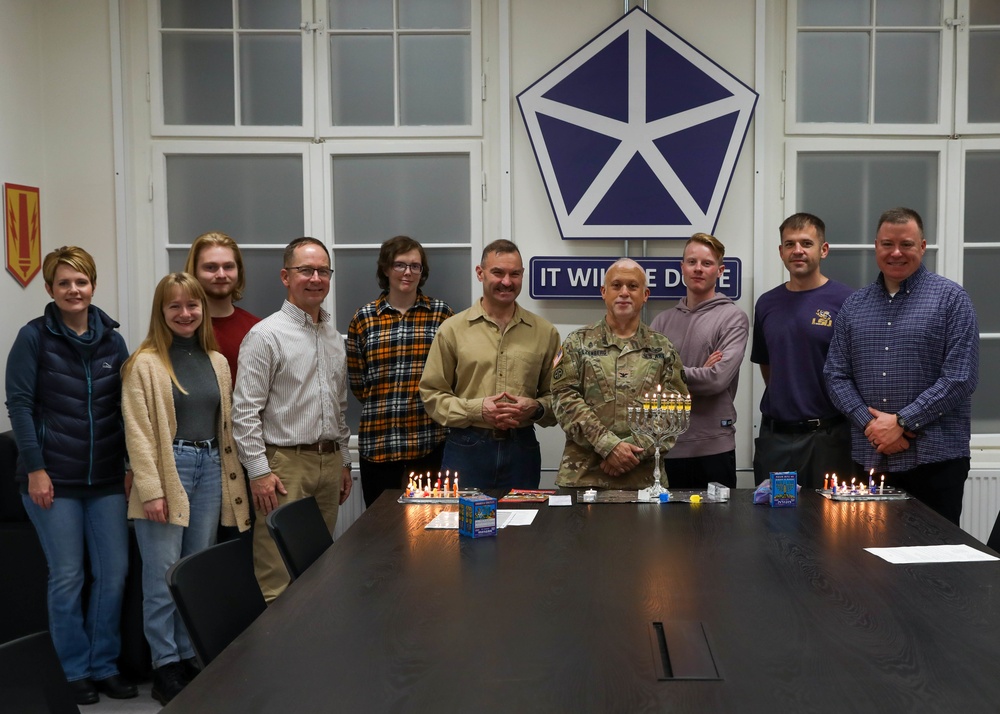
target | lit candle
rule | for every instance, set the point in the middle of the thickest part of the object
(456, 483)
(881, 486)
(871, 479)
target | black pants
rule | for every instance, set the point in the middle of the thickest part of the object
(940, 485)
(811, 455)
(377, 476)
(697, 472)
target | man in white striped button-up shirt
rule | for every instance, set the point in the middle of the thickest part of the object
(289, 406)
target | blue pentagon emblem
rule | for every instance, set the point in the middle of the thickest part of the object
(637, 134)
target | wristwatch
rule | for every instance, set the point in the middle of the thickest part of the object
(901, 421)
(538, 414)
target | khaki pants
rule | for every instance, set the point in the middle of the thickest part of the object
(303, 473)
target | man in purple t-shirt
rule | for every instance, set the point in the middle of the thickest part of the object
(801, 430)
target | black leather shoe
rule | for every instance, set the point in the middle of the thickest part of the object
(168, 681)
(84, 691)
(191, 668)
(117, 687)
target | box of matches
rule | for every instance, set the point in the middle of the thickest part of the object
(477, 516)
(783, 489)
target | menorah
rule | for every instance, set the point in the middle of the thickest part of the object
(661, 416)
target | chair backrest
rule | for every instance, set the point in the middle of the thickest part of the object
(31, 678)
(994, 540)
(217, 595)
(300, 533)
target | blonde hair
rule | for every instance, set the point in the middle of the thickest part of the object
(218, 239)
(70, 255)
(159, 338)
(713, 243)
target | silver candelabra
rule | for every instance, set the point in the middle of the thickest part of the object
(661, 416)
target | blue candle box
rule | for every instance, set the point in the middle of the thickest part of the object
(783, 489)
(477, 516)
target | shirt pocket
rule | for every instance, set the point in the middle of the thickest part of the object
(523, 371)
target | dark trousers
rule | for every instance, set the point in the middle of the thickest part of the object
(485, 461)
(940, 485)
(697, 472)
(377, 476)
(811, 455)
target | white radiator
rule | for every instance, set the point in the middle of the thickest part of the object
(981, 503)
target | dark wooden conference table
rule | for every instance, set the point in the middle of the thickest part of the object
(556, 616)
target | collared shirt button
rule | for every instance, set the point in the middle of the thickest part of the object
(883, 374)
(886, 349)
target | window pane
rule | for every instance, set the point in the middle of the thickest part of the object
(361, 80)
(264, 292)
(984, 12)
(906, 77)
(434, 81)
(198, 85)
(849, 191)
(984, 81)
(212, 14)
(271, 80)
(842, 12)
(985, 405)
(361, 14)
(425, 197)
(857, 268)
(982, 210)
(254, 198)
(435, 14)
(982, 266)
(833, 77)
(270, 15)
(377, 197)
(908, 13)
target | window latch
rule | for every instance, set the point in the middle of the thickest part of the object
(952, 22)
(311, 26)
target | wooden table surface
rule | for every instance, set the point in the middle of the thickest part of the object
(555, 617)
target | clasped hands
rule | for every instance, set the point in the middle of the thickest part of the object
(505, 411)
(885, 434)
(622, 459)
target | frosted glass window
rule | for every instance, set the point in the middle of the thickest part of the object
(198, 85)
(271, 80)
(361, 79)
(858, 268)
(985, 405)
(907, 66)
(255, 198)
(982, 210)
(827, 13)
(201, 14)
(908, 13)
(435, 14)
(422, 196)
(849, 191)
(361, 14)
(270, 15)
(264, 291)
(833, 77)
(984, 12)
(434, 80)
(984, 79)
(982, 266)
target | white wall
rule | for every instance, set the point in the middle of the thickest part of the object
(56, 133)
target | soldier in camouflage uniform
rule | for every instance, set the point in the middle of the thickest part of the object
(600, 371)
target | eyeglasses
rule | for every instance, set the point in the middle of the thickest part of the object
(307, 271)
(414, 267)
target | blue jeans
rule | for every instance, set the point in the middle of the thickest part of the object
(87, 647)
(163, 544)
(483, 461)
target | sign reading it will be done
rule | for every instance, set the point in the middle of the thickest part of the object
(555, 278)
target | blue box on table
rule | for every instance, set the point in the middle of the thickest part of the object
(477, 516)
(783, 489)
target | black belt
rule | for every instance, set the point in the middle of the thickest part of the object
(206, 444)
(497, 434)
(801, 427)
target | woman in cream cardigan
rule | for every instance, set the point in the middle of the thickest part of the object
(177, 403)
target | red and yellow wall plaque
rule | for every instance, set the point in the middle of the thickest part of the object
(24, 232)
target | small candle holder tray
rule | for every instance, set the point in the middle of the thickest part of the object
(450, 497)
(886, 494)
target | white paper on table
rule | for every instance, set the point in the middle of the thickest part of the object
(566, 500)
(931, 554)
(444, 519)
(520, 517)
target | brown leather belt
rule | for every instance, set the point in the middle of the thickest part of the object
(320, 447)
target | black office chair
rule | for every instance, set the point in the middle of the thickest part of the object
(300, 532)
(31, 678)
(217, 595)
(994, 541)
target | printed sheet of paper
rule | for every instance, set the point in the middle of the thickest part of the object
(931, 554)
(448, 520)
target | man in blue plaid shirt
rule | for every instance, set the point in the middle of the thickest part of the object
(902, 366)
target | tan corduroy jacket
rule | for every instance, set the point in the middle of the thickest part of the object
(150, 427)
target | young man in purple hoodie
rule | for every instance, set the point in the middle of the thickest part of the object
(709, 330)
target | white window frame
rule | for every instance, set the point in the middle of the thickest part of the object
(946, 88)
(962, 123)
